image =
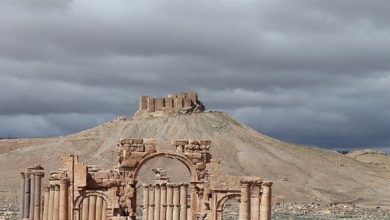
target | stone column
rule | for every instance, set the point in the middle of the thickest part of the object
(26, 208)
(21, 197)
(265, 206)
(56, 206)
(32, 198)
(183, 201)
(255, 201)
(151, 203)
(145, 204)
(163, 211)
(176, 202)
(92, 208)
(46, 203)
(99, 206)
(157, 201)
(37, 194)
(51, 203)
(169, 202)
(104, 211)
(245, 201)
(63, 203)
(85, 209)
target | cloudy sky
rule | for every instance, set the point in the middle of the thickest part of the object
(311, 72)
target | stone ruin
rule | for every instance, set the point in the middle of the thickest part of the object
(86, 192)
(172, 104)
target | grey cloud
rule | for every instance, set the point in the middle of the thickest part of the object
(312, 72)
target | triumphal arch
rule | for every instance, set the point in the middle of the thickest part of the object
(86, 192)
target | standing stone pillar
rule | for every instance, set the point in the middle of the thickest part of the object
(22, 193)
(51, 203)
(157, 201)
(37, 194)
(163, 211)
(145, 207)
(26, 209)
(104, 211)
(169, 202)
(99, 206)
(85, 209)
(176, 202)
(56, 206)
(151, 202)
(92, 208)
(245, 201)
(32, 198)
(265, 207)
(255, 201)
(63, 203)
(194, 201)
(46, 197)
(183, 201)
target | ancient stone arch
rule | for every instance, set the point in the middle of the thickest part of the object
(183, 159)
(208, 190)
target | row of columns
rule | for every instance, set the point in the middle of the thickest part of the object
(255, 200)
(165, 202)
(30, 194)
(93, 208)
(55, 201)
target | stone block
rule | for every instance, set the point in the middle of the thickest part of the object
(138, 141)
(180, 142)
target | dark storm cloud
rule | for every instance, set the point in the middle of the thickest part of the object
(314, 72)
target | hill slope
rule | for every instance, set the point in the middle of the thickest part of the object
(299, 173)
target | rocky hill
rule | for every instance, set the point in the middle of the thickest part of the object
(300, 173)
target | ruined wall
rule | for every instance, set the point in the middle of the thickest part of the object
(178, 103)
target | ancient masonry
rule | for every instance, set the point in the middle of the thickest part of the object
(83, 192)
(179, 103)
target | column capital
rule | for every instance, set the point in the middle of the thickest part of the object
(23, 175)
(56, 187)
(64, 181)
(39, 173)
(267, 183)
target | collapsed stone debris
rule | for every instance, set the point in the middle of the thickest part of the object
(84, 192)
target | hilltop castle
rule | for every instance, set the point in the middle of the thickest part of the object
(178, 103)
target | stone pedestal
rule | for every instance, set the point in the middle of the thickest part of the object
(245, 201)
(265, 207)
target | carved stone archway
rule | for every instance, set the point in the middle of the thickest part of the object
(79, 199)
(183, 159)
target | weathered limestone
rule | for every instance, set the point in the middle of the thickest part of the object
(157, 202)
(51, 203)
(245, 201)
(183, 201)
(85, 209)
(265, 209)
(63, 203)
(87, 192)
(163, 211)
(45, 215)
(179, 103)
(22, 193)
(145, 206)
(32, 197)
(56, 206)
(176, 202)
(92, 208)
(37, 192)
(169, 202)
(151, 203)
